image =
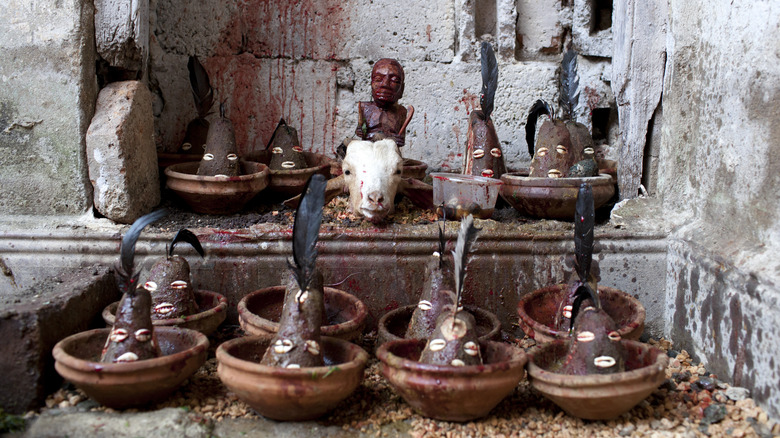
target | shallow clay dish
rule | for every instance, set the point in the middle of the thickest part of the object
(216, 194)
(393, 324)
(452, 393)
(538, 310)
(212, 311)
(259, 313)
(597, 397)
(285, 184)
(123, 385)
(290, 394)
(552, 198)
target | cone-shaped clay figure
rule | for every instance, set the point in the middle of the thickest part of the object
(169, 281)
(197, 130)
(454, 341)
(221, 157)
(132, 337)
(484, 156)
(297, 344)
(437, 296)
(286, 150)
(595, 344)
(564, 147)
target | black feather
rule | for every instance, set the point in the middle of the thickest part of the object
(583, 292)
(540, 107)
(570, 84)
(185, 235)
(489, 79)
(466, 237)
(584, 220)
(306, 230)
(442, 239)
(125, 270)
(278, 125)
(202, 92)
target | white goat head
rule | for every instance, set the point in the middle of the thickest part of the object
(372, 173)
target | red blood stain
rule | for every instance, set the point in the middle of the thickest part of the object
(469, 100)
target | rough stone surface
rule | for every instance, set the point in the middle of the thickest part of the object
(122, 32)
(47, 96)
(121, 153)
(540, 27)
(590, 31)
(32, 320)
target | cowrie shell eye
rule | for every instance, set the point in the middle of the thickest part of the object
(313, 347)
(118, 335)
(496, 152)
(282, 346)
(561, 149)
(293, 366)
(437, 345)
(567, 312)
(127, 357)
(614, 336)
(143, 335)
(150, 286)
(541, 152)
(232, 157)
(585, 336)
(554, 173)
(179, 284)
(277, 150)
(457, 363)
(424, 305)
(288, 164)
(163, 308)
(208, 157)
(471, 348)
(588, 151)
(302, 296)
(479, 153)
(297, 149)
(604, 361)
(186, 146)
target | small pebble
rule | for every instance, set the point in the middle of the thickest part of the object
(704, 383)
(714, 413)
(737, 393)
(627, 430)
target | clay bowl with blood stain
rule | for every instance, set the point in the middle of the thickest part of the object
(452, 393)
(597, 396)
(552, 198)
(212, 312)
(538, 311)
(216, 194)
(411, 168)
(129, 384)
(393, 324)
(284, 184)
(287, 394)
(259, 313)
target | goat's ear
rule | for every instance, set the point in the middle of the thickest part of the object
(418, 192)
(341, 150)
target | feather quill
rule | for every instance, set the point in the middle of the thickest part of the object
(466, 237)
(306, 231)
(570, 84)
(202, 92)
(185, 235)
(584, 221)
(489, 79)
(540, 107)
(126, 277)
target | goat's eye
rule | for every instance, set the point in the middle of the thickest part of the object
(347, 172)
(398, 172)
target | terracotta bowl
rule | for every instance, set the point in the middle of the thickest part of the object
(123, 385)
(290, 394)
(412, 168)
(552, 198)
(452, 393)
(538, 309)
(216, 194)
(597, 397)
(285, 184)
(393, 324)
(259, 313)
(212, 311)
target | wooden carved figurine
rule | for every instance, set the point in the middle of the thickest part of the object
(384, 115)
(286, 150)
(197, 130)
(221, 157)
(170, 284)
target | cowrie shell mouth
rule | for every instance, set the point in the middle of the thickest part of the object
(221, 175)
(471, 348)
(127, 357)
(561, 149)
(143, 335)
(119, 335)
(425, 305)
(163, 308)
(487, 173)
(541, 152)
(150, 286)
(208, 157)
(232, 157)
(437, 345)
(567, 312)
(186, 146)
(479, 153)
(457, 363)
(313, 347)
(495, 152)
(293, 366)
(277, 150)
(586, 336)
(282, 346)
(613, 336)
(297, 149)
(604, 361)
(588, 151)
(554, 173)
(288, 164)
(179, 284)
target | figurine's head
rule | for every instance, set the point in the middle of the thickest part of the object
(387, 82)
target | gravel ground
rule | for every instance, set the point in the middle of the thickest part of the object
(690, 403)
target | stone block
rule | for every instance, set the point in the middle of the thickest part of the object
(540, 28)
(121, 152)
(122, 32)
(36, 318)
(591, 27)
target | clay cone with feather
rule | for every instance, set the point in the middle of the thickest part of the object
(132, 337)
(297, 343)
(170, 284)
(286, 150)
(221, 157)
(197, 130)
